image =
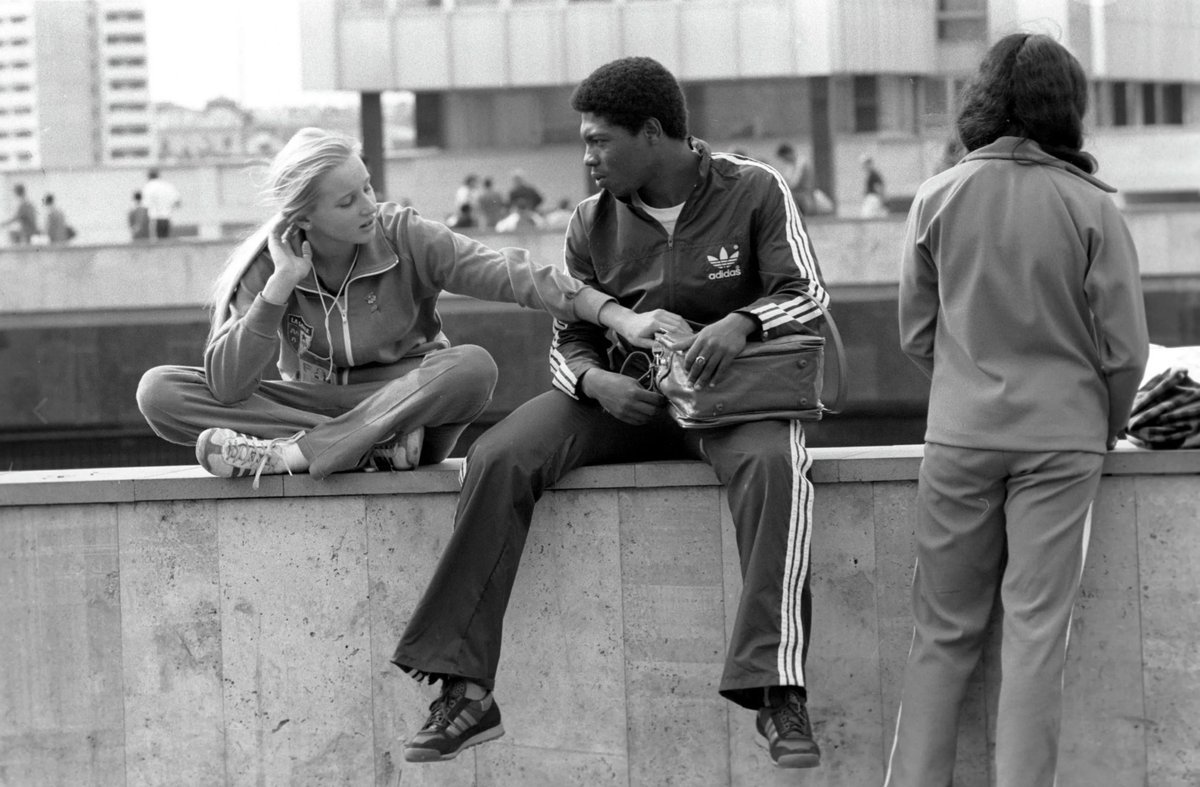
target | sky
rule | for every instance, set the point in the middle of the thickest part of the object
(247, 50)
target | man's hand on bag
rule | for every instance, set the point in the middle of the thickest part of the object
(622, 397)
(711, 352)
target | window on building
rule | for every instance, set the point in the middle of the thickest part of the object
(124, 16)
(866, 103)
(1172, 103)
(1120, 104)
(1149, 104)
(125, 38)
(962, 20)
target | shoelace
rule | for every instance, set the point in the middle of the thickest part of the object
(244, 451)
(439, 709)
(792, 715)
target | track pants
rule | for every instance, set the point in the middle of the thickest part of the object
(992, 521)
(443, 392)
(457, 626)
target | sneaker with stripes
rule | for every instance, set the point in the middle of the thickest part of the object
(228, 454)
(784, 726)
(455, 723)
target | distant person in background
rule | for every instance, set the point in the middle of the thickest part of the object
(560, 217)
(521, 218)
(874, 203)
(25, 218)
(523, 190)
(491, 204)
(799, 176)
(57, 229)
(161, 199)
(138, 219)
(463, 219)
(1020, 298)
(466, 193)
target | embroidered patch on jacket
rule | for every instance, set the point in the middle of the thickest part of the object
(724, 263)
(299, 333)
(373, 301)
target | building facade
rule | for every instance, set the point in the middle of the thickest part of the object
(74, 89)
(839, 77)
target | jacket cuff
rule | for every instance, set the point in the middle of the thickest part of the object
(588, 303)
(264, 317)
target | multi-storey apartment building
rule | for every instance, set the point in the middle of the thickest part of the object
(73, 84)
(844, 76)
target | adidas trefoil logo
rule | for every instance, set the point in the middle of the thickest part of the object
(725, 263)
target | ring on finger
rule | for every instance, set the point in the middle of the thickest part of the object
(700, 359)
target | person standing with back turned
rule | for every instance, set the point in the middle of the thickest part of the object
(1032, 327)
(667, 211)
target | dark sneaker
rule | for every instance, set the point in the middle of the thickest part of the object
(454, 724)
(787, 731)
(403, 453)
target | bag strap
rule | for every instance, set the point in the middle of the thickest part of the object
(840, 398)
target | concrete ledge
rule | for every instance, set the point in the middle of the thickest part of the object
(165, 627)
(180, 482)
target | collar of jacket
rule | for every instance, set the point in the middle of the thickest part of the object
(696, 144)
(1026, 150)
(374, 257)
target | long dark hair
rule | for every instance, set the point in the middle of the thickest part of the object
(1030, 86)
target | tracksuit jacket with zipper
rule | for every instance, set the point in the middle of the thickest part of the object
(364, 364)
(739, 245)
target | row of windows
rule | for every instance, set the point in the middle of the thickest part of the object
(125, 38)
(127, 84)
(128, 106)
(16, 65)
(124, 16)
(130, 153)
(1138, 103)
(22, 156)
(22, 133)
(16, 111)
(138, 128)
(14, 20)
(19, 41)
(126, 61)
(19, 87)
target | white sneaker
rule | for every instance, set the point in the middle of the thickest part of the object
(228, 454)
(403, 453)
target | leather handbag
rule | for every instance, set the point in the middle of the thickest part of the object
(780, 378)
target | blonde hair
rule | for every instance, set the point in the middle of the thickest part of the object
(292, 182)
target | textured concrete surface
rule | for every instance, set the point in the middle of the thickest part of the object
(178, 629)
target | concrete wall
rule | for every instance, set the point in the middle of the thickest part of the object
(162, 627)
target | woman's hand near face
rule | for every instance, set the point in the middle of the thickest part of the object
(290, 267)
